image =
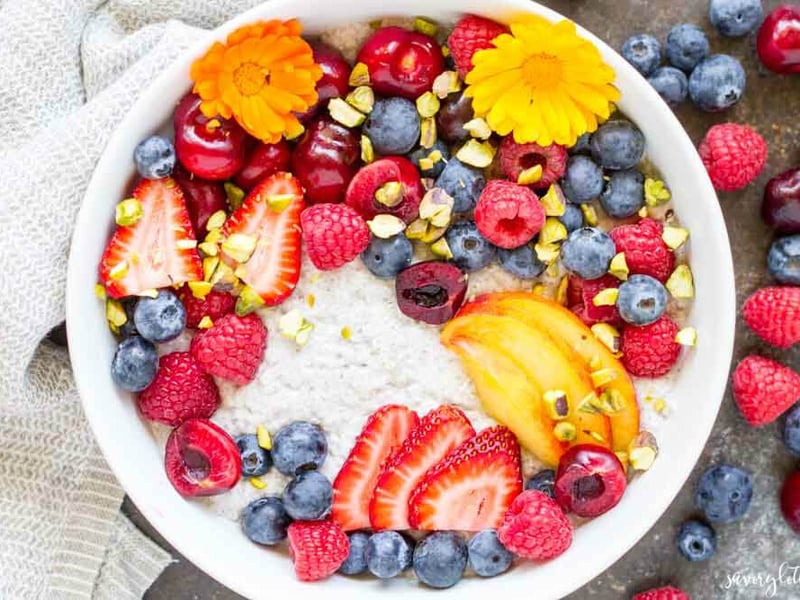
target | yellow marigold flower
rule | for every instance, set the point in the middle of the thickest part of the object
(542, 82)
(262, 75)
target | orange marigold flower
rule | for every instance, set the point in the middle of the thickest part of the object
(263, 75)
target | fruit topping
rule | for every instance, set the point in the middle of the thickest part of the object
(388, 554)
(472, 488)
(431, 292)
(644, 249)
(134, 364)
(154, 157)
(717, 83)
(508, 214)
(335, 77)
(299, 446)
(470, 34)
(783, 260)
(590, 480)
(385, 430)
(308, 496)
(334, 234)
(440, 559)
(262, 161)
(623, 194)
(643, 51)
(385, 258)
(203, 198)
(232, 348)
(583, 179)
(790, 501)
(781, 206)
(696, 541)
(317, 548)
(642, 300)
(439, 432)
(356, 561)
(543, 481)
(201, 459)
(393, 126)
(256, 460)
(264, 521)
(389, 185)
(686, 46)
(470, 250)
(778, 42)
(617, 144)
(463, 183)
(431, 161)
(532, 164)
(521, 262)
(157, 250)
(214, 305)
(773, 313)
(455, 112)
(734, 155)
(487, 556)
(584, 303)
(587, 252)
(724, 493)
(764, 389)
(401, 62)
(535, 527)
(651, 350)
(160, 319)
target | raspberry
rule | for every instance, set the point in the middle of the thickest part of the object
(663, 593)
(469, 35)
(181, 390)
(214, 305)
(773, 313)
(232, 349)
(764, 389)
(507, 214)
(651, 350)
(535, 527)
(580, 296)
(515, 158)
(318, 548)
(334, 234)
(733, 154)
(645, 251)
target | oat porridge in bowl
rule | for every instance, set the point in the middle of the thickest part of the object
(415, 298)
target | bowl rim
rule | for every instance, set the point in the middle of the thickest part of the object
(685, 457)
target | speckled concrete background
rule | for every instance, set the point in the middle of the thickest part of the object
(761, 543)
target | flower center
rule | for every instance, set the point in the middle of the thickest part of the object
(249, 78)
(542, 70)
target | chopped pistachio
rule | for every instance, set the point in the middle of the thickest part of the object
(213, 124)
(655, 192)
(216, 220)
(208, 249)
(425, 26)
(367, 151)
(687, 336)
(294, 130)
(343, 113)
(681, 284)
(263, 437)
(314, 277)
(115, 313)
(304, 335)
(128, 212)
(552, 270)
(362, 99)
(240, 271)
(311, 300)
(441, 249)
(597, 436)
(531, 175)
(257, 483)
(359, 75)
(675, 237)
(446, 83)
(200, 289)
(595, 363)
(478, 128)
(186, 244)
(435, 156)
(547, 253)
(210, 264)
(416, 229)
(223, 274)
(119, 271)
(564, 431)
(385, 226)
(643, 212)
(234, 194)
(99, 291)
(623, 458)
(602, 377)
(428, 105)
(427, 132)
(390, 193)
(611, 401)
(553, 231)
(346, 333)
(556, 404)
(425, 164)
(214, 236)
(642, 451)
(591, 404)
(554, 201)
(240, 246)
(561, 291)
(659, 405)
(248, 301)
(590, 215)
(436, 207)
(433, 234)
(151, 293)
(445, 50)
(606, 297)
(476, 154)
(539, 289)
(290, 323)
(608, 335)
(205, 323)
(619, 267)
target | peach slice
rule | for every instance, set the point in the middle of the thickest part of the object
(571, 335)
(542, 361)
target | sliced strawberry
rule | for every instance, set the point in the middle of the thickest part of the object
(385, 430)
(472, 488)
(438, 433)
(158, 250)
(274, 268)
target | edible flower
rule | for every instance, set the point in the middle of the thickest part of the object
(542, 82)
(262, 76)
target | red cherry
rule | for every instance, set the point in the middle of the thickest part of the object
(203, 198)
(431, 292)
(790, 501)
(209, 148)
(262, 161)
(361, 191)
(778, 40)
(590, 480)
(202, 459)
(335, 82)
(781, 207)
(325, 160)
(401, 62)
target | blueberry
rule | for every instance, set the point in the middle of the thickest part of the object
(521, 262)
(160, 319)
(299, 446)
(642, 300)
(471, 251)
(308, 497)
(265, 520)
(440, 559)
(487, 556)
(388, 554)
(643, 51)
(356, 561)
(791, 430)
(583, 180)
(393, 126)
(135, 363)
(463, 183)
(696, 541)
(587, 252)
(783, 260)
(724, 493)
(623, 195)
(618, 145)
(686, 46)
(671, 83)
(544, 481)
(438, 165)
(582, 146)
(735, 18)
(572, 218)
(255, 459)
(386, 258)
(717, 83)
(154, 157)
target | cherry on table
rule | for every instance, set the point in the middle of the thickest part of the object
(778, 41)
(781, 205)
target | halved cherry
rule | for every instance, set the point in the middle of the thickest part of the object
(590, 480)
(431, 292)
(383, 174)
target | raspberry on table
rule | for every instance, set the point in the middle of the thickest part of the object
(733, 154)
(535, 527)
(764, 389)
(233, 348)
(508, 214)
(645, 251)
(773, 313)
(334, 234)
(470, 34)
(651, 350)
(663, 593)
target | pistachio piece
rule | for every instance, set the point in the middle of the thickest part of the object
(205, 323)
(367, 151)
(547, 253)
(263, 437)
(240, 271)
(597, 436)
(216, 220)
(643, 212)
(436, 207)
(642, 451)
(417, 229)
(425, 26)
(554, 201)
(608, 335)
(115, 313)
(564, 431)
(248, 301)
(427, 132)
(362, 99)
(681, 284)
(118, 271)
(606, 297)
(186, 244)
(687, 336)
(623, 458)
(425, 164)
(239, 246)
(385, 226)
(343, 113)
(441, 249)
(531, 175)
(257, 483)
(428, 105)
(589, 215)
(561, 291)
(445, 84)
(619, 267)
(200, 289)
(603, 377)
(151, 293)
(210, 264)
(556, 404)
(311, 300)
(359, 75)
(655, 192)
(390, 194)
(346, 333)
(591, 404)
(223, 274)
(290, 323)
(208, 249)
(214, 236)
(478, 128)
(213, 124)
(674, 237)
(100, 291)
(234, 194)
(552, 270)
(294, 131)
(304, 335)
(595, 363)
(539, 289)
(476, 154)
(553, 231)
(128, 212)
(445, 51)
(659, 405)
(611, 401)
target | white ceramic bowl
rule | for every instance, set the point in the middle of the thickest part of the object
(218, 546)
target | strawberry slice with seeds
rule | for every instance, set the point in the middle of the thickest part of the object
(472, 488)
(438, 433)
(384, 431)
(156, 251)
(271, 214)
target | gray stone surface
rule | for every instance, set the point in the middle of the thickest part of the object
(762, 542)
